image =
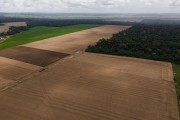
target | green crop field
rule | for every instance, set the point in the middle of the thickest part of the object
(40, 33)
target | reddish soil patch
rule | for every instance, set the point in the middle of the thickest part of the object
(32, 55)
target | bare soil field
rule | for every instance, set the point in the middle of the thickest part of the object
(6, 26)
(85, 86)
(77, 41)
(45, 52)
(32, 55)
(91, 87)
(11, 71)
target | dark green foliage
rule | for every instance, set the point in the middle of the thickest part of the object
(161, 22)
(66, 22)
(158, 42)
(3, 34)
(13, 30)
(176, 68)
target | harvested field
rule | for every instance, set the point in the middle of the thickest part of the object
(6, 26)
(78, 41)
(85, 86)
(41, 57)
(90, 86)
(11, 71)
(32, 55)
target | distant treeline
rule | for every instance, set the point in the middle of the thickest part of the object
(160, 22)
(158, 42)
(32, 22)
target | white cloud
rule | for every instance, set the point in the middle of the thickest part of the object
(95, 3)
(175, 3)
(149, 2)
(88, 5)
(6, 3)
(115, 3)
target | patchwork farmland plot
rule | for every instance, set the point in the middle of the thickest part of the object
(36, 56)
(33, 56)
(85, 86)
(40, 33)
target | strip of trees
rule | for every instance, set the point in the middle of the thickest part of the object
(33, 22)
(14, 30)
(158, 42)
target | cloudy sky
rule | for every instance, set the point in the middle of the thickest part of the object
(91, 6)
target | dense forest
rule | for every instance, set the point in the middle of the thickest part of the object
(158, 42)
(33, 22)
(161, 22)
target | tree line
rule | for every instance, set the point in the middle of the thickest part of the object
(33, 22)
(14, 30)
(158, 42)
(161, 21)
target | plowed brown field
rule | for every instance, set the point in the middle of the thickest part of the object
(86, 86)
(32, 55)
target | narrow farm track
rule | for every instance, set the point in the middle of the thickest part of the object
(85, 86)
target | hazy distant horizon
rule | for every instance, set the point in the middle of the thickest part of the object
(87, 13)
(90, 6)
